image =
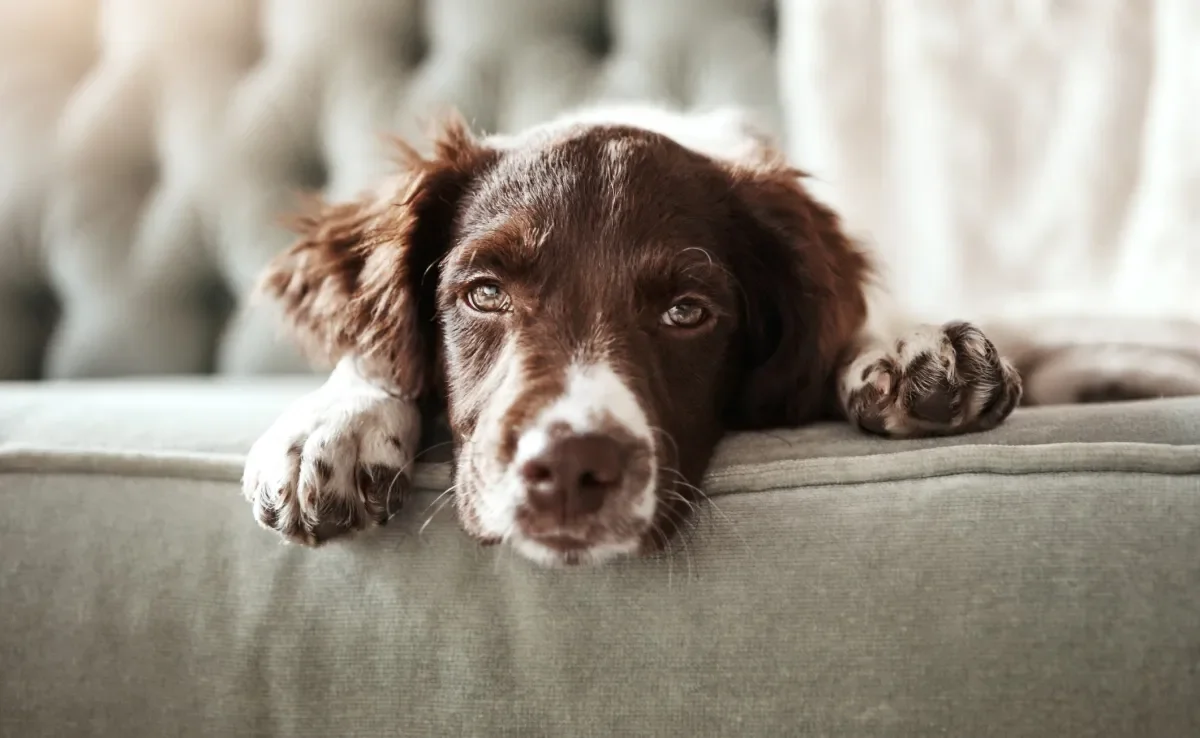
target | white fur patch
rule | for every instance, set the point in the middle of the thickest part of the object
(497, 506)
(345, 425)
(594, 394)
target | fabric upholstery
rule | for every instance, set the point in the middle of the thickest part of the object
(1040, 580)
(150, 146)
(219, 418)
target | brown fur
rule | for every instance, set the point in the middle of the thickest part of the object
(807, 299)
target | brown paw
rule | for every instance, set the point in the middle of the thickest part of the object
(936, 381)
(331, 465)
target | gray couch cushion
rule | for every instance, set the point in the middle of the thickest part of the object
(1041, 580)
(214, 421)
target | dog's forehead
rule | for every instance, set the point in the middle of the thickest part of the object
(578, 167)
(589, 185)
(585, 180)
(625, 186)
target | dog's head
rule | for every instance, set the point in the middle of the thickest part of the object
(596, 303)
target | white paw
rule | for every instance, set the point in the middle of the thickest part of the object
(338, 460)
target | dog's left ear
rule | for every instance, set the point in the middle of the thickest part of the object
(360, 277)
(805, 284)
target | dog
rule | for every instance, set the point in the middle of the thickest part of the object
(593, 303)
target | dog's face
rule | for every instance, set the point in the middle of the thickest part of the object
(597, 305)
(587, 313)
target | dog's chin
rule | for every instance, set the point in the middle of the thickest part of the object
(559, 552)
(493, 517)
(569, 547)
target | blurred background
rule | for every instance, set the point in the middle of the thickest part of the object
(1028, 159)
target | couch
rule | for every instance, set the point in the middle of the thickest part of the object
(1042, 579)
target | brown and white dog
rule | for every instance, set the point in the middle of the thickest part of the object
(594, 303)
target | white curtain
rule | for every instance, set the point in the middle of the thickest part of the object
(1015, 159)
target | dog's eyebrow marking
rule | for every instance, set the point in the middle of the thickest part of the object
(693, 266)
(502, 257)
(504, 243)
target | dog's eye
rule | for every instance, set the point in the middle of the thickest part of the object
(487, 298)
(685, 314)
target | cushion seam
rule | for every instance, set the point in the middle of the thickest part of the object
(1095, 458)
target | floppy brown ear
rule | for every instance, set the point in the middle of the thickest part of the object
(805, 303)
(358, 279)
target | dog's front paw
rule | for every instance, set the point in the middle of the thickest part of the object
(939, 380)
(333, 463)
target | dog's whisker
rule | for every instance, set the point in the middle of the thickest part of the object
(668, 542)
(704, 251)
(387, 495)
(446, 499)
(443, 493)
(671, 439)
(432, 447)
(506, 551)
(678, 496)
(711, 503)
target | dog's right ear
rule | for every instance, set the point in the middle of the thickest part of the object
(356, 281)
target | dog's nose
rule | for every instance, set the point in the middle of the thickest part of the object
(573, 474)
